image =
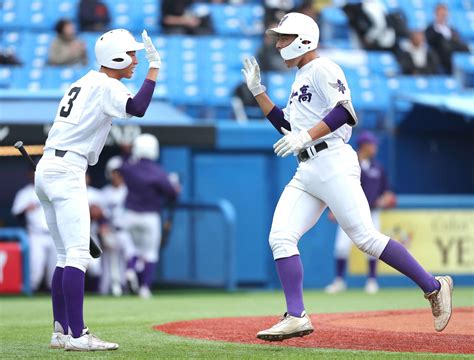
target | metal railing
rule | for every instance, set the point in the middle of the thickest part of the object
(21, 235)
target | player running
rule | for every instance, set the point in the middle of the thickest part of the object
(316, 125)
(76, 139)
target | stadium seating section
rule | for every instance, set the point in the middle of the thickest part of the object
(200, 74)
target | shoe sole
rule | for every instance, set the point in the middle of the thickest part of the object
(281, 337)
(451, 286)
(56, 347)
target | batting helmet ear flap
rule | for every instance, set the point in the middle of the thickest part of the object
(111, 48)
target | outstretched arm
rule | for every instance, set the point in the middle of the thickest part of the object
(138, 105)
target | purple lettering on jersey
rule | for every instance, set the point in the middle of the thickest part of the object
(305, 94)
(339, 85)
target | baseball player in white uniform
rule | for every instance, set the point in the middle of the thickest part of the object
(82, 123)
(41, 246)
(316, 124)
(122, 250)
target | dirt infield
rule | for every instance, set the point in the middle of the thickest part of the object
(397, 331)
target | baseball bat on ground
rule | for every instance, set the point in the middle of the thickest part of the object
(94, 247)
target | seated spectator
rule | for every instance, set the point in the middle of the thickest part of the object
(66, 48)
(275, 9)
(93, 16)
(369, 20)
(444, 39)
(7, 57)
(177, 17)
(415, 56)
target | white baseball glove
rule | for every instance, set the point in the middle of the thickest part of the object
(291, 143)
(151, 54)
(251, 72)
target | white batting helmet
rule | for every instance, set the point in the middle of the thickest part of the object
(111, 48)
(146, 146)
(297, 24)
(114, 163)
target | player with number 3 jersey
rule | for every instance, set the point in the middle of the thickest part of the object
(316, 124)
(76, 139)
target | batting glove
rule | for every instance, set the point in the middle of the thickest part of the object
(292, 143)
(151, 54)
(251, 73)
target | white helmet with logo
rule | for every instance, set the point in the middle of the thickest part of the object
(297, 24)
(146, 146)
(114, 163)
(111, 48)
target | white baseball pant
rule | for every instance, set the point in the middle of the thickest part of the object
(61, 188)
(145, 229)
(331, 178)
(343, 243)
(42, 259)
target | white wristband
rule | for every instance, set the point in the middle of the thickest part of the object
(258, 90)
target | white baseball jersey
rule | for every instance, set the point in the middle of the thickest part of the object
(85, 114)
(319, 86)
(35, 219)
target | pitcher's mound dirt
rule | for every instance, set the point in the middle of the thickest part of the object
(398, 331)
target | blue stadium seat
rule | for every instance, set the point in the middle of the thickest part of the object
(235, 19)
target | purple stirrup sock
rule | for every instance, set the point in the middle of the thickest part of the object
(148, 274)
(290, 272)
(341, 267)
(400, 259)
(57, 297)
(73, 287)
(372, 268)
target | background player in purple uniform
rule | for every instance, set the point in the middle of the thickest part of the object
(375, 185)
(148, 188)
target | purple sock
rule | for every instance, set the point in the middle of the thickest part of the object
(290, 272)
(400, 259)
(372, 268)
(341, 267)
(73, 287)
(148, 274)
(57, 297)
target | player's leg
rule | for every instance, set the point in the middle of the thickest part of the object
(51, 260)
(129, 253)
(37, 260)
(60, 319)
(342, 248)
(296, 213)
(65, 187)
(347, 201)
(371, 285)
(151, 241)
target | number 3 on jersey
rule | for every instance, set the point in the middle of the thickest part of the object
(66, 110)
(71, 106)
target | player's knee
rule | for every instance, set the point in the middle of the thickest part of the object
(78, 257)
(371, 242)
(283, 243)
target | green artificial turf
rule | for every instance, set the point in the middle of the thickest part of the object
(25, 323)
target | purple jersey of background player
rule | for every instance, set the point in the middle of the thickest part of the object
(374, 181)
(148, 185)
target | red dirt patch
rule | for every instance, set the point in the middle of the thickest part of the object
(397, 331)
